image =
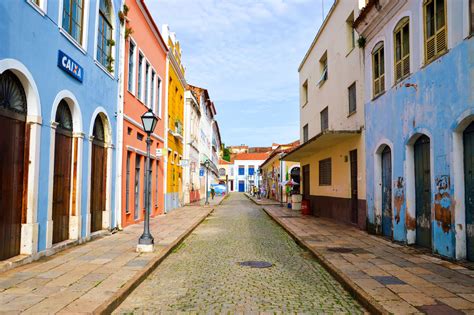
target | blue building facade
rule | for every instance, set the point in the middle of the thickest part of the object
(59, 89)
(419, 121)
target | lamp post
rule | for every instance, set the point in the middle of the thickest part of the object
(206, 165)
(146, 241)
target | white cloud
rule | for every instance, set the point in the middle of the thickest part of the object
(244, 52)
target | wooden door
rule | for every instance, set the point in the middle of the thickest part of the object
(354, 188)
(98, 185)
(62, 173)
(98, 175)
(387, 229)
(423, 191)
(12, 145)
(62, 185)
(306, 181)
(13, 154)
(469, 187)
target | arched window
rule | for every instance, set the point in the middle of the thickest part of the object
(98, 131)
(12, 94)
(378, 69)
(401, 39)
(64, 116)
(436, 41)
(105, 41)
(222, 171)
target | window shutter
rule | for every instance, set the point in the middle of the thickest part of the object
(325, 168)
(398, 70)
(406, 65)
(441, 42)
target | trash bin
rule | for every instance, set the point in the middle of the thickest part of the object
(296, 202)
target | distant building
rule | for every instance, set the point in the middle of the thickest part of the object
(192, 134)
(226, 174)
(174, 118)
(246, 170)
(280, 178)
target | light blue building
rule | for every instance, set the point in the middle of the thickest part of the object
(58, 98)
(419, 112)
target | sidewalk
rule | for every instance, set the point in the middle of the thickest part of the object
(386, 277)
(212, 202)
(96, 276)
(263, 201)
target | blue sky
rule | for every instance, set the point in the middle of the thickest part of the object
(246, 53)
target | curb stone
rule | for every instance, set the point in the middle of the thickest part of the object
(366, 300)
(115, 300)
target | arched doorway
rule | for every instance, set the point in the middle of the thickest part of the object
(98, 175)
(13, 109)
(423, 191)
(468, 142)
(62, 172)
(387, 213)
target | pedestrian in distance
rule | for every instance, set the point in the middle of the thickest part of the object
(213, 193)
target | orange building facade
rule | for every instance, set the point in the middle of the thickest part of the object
(145, 76)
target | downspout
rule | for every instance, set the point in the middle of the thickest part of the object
(119, 141)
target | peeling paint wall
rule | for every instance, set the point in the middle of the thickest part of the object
(442, 95)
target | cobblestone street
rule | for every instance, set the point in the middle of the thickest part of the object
(203, 274)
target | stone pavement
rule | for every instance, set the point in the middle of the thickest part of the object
(391, 277)
(263, 201)
(94, 276)
(202, 276)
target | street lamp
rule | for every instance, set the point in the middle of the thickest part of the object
(146, 241)
(206, 165)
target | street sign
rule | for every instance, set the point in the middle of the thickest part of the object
(159, 152)
(201, 172)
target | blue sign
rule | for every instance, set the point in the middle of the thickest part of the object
(71, 67)
(201, 172)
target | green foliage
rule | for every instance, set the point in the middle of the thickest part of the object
(226, 154)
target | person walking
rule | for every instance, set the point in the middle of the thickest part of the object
(213, 193)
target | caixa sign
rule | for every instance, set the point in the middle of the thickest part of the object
(68, 65)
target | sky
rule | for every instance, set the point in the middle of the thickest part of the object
(246, 53)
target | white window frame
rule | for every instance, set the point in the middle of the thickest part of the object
(157, 105)
(147, 83)
(134, 74)
(85, 27)
(140, 94)
(42, 8)
(96, 34)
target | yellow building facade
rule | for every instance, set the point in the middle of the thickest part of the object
(175, 124)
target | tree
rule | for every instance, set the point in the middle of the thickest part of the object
(225, 153)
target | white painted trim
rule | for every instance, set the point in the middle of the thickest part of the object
(114, 37)
(377, 171)
(74, 107)
(77, 129)
(135, 62)
(41, 8)
(107, 215)
(457, 173)
(138, 125)
(29, 84)
(85, 26)
(393, 24)
(29, 231)
(410, 180)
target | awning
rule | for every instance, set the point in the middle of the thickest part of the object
(320, 142)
